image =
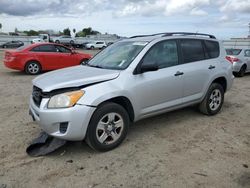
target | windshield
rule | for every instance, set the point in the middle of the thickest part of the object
(118, 56)
(233, 51)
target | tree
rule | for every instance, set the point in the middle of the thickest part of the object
(66, 31)
(87, 31)
(32, 32)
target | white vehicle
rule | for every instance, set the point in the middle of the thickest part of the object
(240, 58)
(64, 40)
(42, 38)
(96, 45)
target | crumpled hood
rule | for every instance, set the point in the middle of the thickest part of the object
(73, 77)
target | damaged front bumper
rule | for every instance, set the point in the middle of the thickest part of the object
(66, 123)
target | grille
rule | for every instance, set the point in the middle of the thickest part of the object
(37, 95)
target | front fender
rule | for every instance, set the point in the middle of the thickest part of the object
(98, 93)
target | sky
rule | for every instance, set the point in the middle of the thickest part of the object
(223, 18)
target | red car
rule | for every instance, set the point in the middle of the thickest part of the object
(43, 57)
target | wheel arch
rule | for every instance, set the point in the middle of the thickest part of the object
(125, 103)
(244, 65)
(83, 59)
(222, 81)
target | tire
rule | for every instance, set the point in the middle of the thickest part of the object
(71, 42)
(84, 61)
(92, 48)
(4, 46)
(242, 71)
(33, 68)
(57, 41)
(213, 100)
(104, 132)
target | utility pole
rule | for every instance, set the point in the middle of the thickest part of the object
(249, 31)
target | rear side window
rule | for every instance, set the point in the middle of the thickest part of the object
(233, 51)
(44, 48)
(212, 49)
(247, 53)
(192, 50)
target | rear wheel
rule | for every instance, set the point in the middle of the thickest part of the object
(57, 41)
(33, 68)
(108, 127)
(213, 100)
(92, 48)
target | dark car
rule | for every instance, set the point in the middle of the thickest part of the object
(12, 44)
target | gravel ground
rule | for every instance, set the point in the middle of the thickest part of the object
(178, 149)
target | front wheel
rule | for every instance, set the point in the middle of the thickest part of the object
(213, 100)
(84, 62)
(242, 71)
(33, 68)
(108, 127)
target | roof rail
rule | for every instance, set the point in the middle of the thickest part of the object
(176, 33)
(151, 35)
(188, 33)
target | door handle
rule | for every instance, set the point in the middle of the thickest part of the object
(211, 67)
(178, 73)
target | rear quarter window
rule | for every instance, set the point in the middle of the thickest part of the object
(247, 53)
(212, 49)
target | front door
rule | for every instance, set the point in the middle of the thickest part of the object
(158, 90)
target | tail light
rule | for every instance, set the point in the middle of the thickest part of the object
(9, 56)
(232, 59)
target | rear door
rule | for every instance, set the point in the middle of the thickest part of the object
(197, 66)
(247, 58)
(47, 56)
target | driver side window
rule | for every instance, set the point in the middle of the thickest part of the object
(164, 54)
(62, 49)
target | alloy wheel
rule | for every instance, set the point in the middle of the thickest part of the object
(109, 128)
(215, 99)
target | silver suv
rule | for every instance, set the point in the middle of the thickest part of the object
(130, 80)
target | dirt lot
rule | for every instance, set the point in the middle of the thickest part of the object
(178, 149)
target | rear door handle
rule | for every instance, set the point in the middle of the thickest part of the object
(211, 67)
(178, 73)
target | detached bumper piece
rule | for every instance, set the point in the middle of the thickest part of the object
(43, 145)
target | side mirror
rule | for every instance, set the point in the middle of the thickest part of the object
(149, 67)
